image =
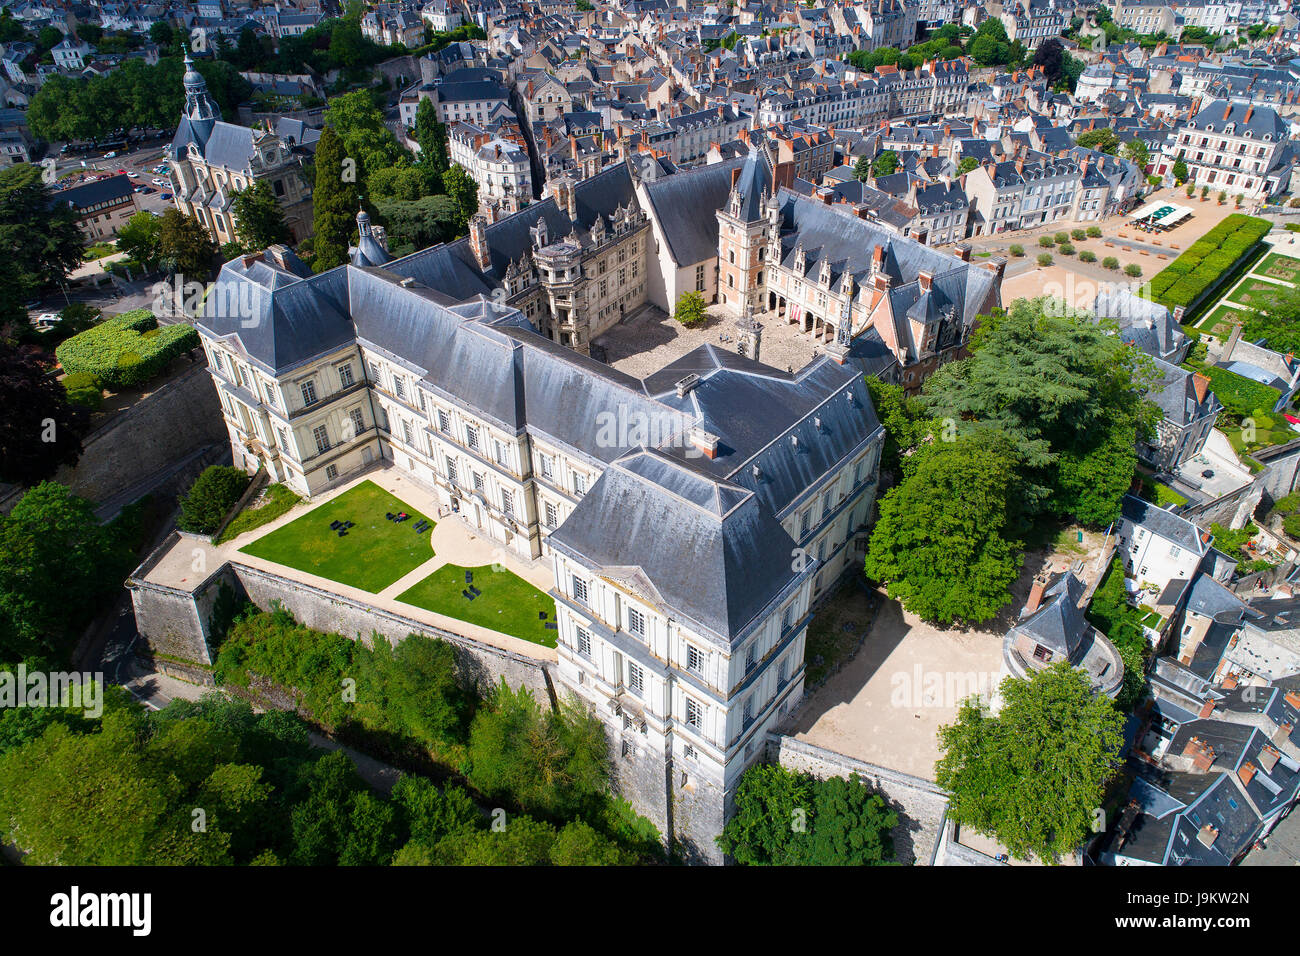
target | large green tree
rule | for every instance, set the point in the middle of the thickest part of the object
(941, 542)
(259, 218)
(1067, 392)
(39, 239)
(783, 818)
(39, 430)
(463, 191)
(57, 565)
(184, 246)
(336, 200)
(138, 237)
(1032, 776)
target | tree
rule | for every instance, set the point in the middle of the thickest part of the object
(690, 309)
(1032, 776)
(783, 818)
(1136, 152)
(862, 169)
(1066, 391)
(360, 126)
(39, 239)
(56, 566)
(463, 190)
(432, 137)
(259, 220)
(161, 33)
(39, 431)
(939, 543)
(1050, 55)
(885, 164)
(138, 237)
(551, 763)
(336, 201)
(904, 419)
(1105, 140)
(1180, 172)
(420, 223)
(213, 493)
(185, 247)
(967, 164)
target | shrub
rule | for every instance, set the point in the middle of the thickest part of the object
(690, 309)
(1291, 525)
(83, 389)
(127, 350)
(1191, 191)
(1045, 259)
(210, 498)
(1223, 197)
(1045, 242)
(1078, 235)
(1087, 256)
(1094, 232)
(1239, 395)
(1016, 250)
(1062, 237)
(1066, 249)
(1133, 269)
(1110, 262)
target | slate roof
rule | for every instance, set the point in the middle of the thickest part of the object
(1164, 523)
(676, 202)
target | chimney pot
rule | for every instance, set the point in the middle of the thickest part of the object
(1035, 595)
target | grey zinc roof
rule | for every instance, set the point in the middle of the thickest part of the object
(712, 554)
(676, 202)
(1058, 623)
(1164, 523)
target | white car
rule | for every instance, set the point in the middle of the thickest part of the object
(160, 182)
(47, 320)
(132, 173)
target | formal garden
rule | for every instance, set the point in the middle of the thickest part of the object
(370, 553)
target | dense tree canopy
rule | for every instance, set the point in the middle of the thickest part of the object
(941, 542)
(40, 242)
(784, 818)
(1032, 776)
(39, 431)
(1067, 392)
(259, 217)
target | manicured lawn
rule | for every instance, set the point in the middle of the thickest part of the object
(1278, 266)
(372, 555)
(507, 603)
(275, 501)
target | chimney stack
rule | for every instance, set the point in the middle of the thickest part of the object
(925, 279)
(478, 241)
(1035, 596)
(1201, 754)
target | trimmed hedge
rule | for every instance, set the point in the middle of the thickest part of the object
(1207, 261)
(82, 388)
(127, 350)
(1240, 396)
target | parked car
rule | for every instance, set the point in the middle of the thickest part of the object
(159, 182)
(112, 155)
(147, 190)
(47, 320)
(166, 197)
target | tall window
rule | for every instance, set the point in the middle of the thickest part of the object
(406, 432)
(547, 464)
(751, 658)
(635, 679)
(444, 422)
(358, 421)
(584, 642)
(507, 502)
(694, 714)
(552, 515)
(694, 659)
(579, 485)
(322, 436)
(499, 449)
(451, 470)
(309, 393)
(345, 375)
(399, 386)
(471, 437)
(579, 590)
(636, 622)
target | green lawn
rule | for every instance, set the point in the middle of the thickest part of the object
(507, 603)
(1225, 314)
(372, 555)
